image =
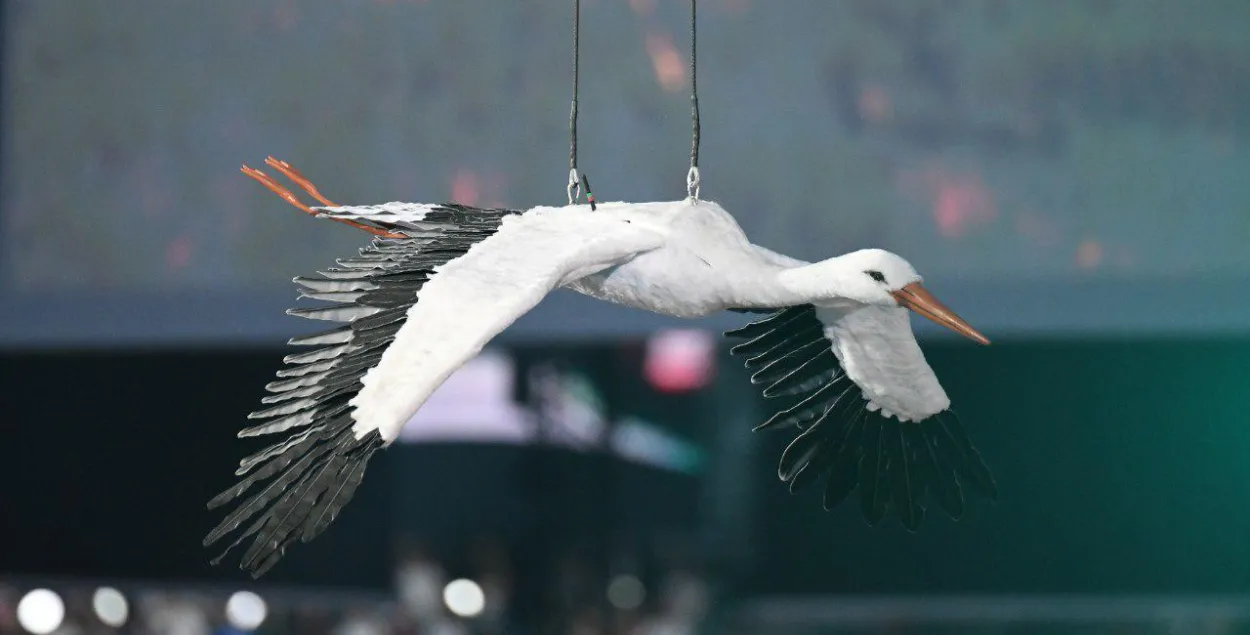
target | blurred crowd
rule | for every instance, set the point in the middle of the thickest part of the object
(426, 600)
(579, 599)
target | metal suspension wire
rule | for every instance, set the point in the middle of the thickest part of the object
(574, 186)
(692, 177)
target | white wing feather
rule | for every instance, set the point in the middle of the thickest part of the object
(477, 295)
(879, 353)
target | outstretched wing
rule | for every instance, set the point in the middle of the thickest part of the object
(414, 309)
(869, 411)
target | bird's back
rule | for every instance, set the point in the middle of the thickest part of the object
(702, 267)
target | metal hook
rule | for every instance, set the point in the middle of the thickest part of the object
(575, 186)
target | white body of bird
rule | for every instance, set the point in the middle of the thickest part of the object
(681, 258)
(443, 280)
(704, 265)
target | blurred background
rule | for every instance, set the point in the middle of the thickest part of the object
(1072, 176)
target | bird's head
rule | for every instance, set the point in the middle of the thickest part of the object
(880, 278)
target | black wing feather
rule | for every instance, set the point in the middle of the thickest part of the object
(970, 464)
(872, 501)
(303, 481)
(941, 483)
(844, 465)
(903, 475)
(894, 465)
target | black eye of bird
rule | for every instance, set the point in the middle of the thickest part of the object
(876, 275)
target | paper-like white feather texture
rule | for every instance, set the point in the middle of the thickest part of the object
(394, 211)
(474, 297)
(877, 349)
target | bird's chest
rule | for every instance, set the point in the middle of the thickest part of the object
(670, 281)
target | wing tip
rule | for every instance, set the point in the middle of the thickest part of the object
(300, 507)
(899, 467)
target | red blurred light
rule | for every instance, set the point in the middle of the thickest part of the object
(680, 360)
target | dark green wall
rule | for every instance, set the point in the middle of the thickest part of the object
(1122, 465)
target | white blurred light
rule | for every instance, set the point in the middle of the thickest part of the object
(110, 606)
(464, 597)
(41, 611)
(246, 610)
(626, 592)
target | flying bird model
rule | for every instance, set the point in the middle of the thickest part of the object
(439, 281)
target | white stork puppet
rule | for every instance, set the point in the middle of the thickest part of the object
(439, 281)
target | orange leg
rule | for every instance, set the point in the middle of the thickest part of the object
(300, 180)
(303, 182)
(286, 194)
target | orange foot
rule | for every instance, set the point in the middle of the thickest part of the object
(300, 180)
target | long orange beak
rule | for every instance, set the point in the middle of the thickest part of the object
(917, 298)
